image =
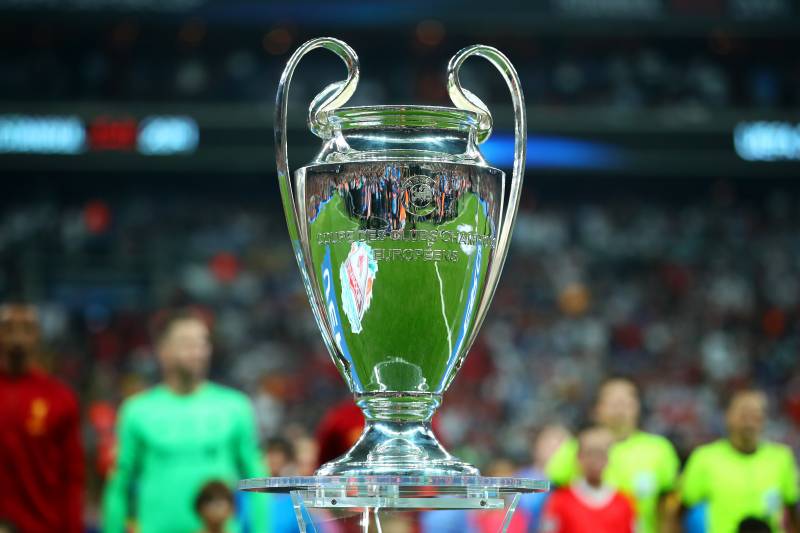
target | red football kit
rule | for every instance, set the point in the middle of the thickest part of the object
(583, 509)
(41, 458)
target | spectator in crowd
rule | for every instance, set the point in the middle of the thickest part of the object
(547, 442)
(743, 476)
(642, 465)
(214, 506)
(178, 435)
(280, 459)
(279, 456)
(588, 504)
(492, 520)
(338, 431)
(41, 456)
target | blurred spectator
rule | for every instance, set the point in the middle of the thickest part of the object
(547, 442)
(7, 527)
(743, 476)
(280, 457)
(339, 429)
(492, 520)
(306, 451)
(41, 455)
(589, 504)
(642, 465)
(214, 506)
(177, 435)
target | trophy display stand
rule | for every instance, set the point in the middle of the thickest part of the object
(367, 503)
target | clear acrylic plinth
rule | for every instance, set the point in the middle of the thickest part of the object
(369, 503)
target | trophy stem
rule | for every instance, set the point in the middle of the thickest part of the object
(398, 440)
(399, 406)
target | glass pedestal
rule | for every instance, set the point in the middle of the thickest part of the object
(386, 504)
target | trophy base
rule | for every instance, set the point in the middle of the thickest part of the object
(397, 448)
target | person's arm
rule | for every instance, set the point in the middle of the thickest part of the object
(74, 466)
(693, 485)
(669, 502)
(790, 493)
(115, 496)
(670, 512)
(251, 465)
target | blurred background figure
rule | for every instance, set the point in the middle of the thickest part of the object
(280, 460)
(588, 504)
(642, 465)
(180, 434)
(744, 476)
(41, 455)
(214, 506)
(338, 431)
(280, 457)
(490, 521)
(547, 442)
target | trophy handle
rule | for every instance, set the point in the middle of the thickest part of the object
(331, 97)
(464, 99)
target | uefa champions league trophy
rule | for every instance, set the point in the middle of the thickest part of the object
(400, 228)
(400, 232)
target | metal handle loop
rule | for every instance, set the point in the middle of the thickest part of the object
(466, 100)
(331, 97)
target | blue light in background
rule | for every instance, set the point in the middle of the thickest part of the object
(767, 141)
(546, 151)
(168, 135)
(31, 134)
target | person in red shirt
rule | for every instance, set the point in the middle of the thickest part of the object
(338, 430)
(588, 505)
(41, 457)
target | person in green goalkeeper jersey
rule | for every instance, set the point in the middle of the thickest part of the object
(178, 435)
(641, 465)
(743, 476)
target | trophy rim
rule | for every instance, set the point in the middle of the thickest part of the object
(401, 116)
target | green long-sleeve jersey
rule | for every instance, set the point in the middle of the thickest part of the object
(169, 445)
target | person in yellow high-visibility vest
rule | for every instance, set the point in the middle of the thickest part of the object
(641, 465)
(743, 476)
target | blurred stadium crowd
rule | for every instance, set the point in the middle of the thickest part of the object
(690, 300)
(142, 63)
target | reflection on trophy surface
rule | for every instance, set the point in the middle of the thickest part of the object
(400, 229)
(402, 258)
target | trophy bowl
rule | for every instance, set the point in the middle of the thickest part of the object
(400, 229)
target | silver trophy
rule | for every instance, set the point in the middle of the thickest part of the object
(400, 228)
